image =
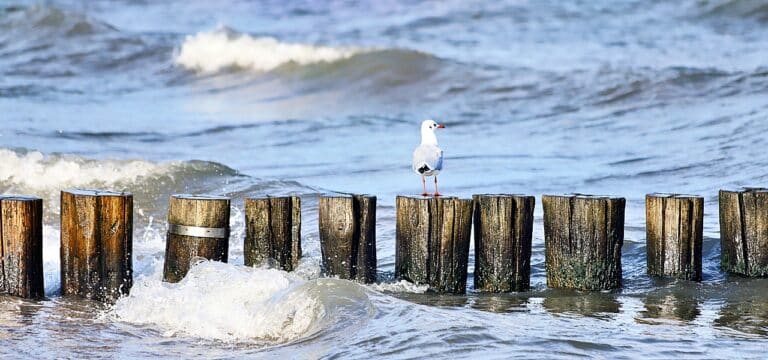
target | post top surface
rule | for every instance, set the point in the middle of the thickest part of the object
(199, 197)
(675, 195)
(746, 189)
(426, 198)
(265, 197)
(96, 192)
(344, 195)
(502, 195)
(584, 196)
(11, 197)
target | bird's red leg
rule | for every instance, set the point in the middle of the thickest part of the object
(424, 184)
(437, 193)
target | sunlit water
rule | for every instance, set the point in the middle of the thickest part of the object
(248, 98)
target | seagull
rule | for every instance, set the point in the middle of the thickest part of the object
(428, 157)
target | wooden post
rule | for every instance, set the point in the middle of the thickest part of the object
(433, 241)
(96, 244)
(674, 234)
(744, 231)
(21, 246)
(503, 233)
(273, 232)
(198, 227)
(583, 236)
(348, 236)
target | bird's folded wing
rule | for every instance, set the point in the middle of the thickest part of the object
(431, 156)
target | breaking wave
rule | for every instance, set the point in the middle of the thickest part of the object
(218, 301)
(213, 51)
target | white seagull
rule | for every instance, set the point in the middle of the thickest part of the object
(428, 157)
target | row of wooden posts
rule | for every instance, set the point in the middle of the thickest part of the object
(583, 239)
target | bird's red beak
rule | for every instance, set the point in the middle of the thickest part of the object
(440, 126)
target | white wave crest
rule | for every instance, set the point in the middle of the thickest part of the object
(37, 173)
(218, 301)
(211, 51)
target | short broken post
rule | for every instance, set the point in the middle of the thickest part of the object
(273, 232)
(674, 235)
(503, 234)
(21, 246)
(198, 228)
(583, 236)
(744, 231)
(96, 244)
(348, 236)
(433, 241)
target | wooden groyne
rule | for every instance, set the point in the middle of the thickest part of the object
(96, 244)
(198, 227)
(21, 246)
(503, 234)
(347, 225)
(744, 231)
(583, 238)
(432, 236)
(273, 232)
(674, 235)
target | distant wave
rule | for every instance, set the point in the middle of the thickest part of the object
(750, 9)
(47, 20)
(213, 51)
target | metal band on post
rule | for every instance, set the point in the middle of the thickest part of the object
(198, 231)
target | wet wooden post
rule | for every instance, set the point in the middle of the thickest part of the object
(503, 234)
(21, 246)
(96, 244)
(198, 228)
(583, 235)
(273, 232)
(348, 236)
(674, 235)
(744, 231)
(432, 236)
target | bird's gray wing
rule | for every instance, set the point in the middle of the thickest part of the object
(429, 156)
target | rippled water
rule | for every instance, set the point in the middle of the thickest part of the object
(246, 98)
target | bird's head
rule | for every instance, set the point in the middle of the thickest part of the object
(430, 126)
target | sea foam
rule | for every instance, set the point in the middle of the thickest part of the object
(212, 51)
(35, 172)
(218, 301)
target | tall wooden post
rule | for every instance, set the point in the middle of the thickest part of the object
(744, 231)
(198, 227)
(503, 234)
(583, 236)
(348, 236)
(273, 232)
(96, 244)
(21, 246)
(674, 234)
(433, 241)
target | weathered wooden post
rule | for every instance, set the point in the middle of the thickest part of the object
(744, 231)
(96, 244)
(433, 241)
(348, 236)
(583, 236)
(21, 246)
(674, 235)
(198, 227)
(503, 234)
(273, 232)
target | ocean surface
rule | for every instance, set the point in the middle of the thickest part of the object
(245, 98)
